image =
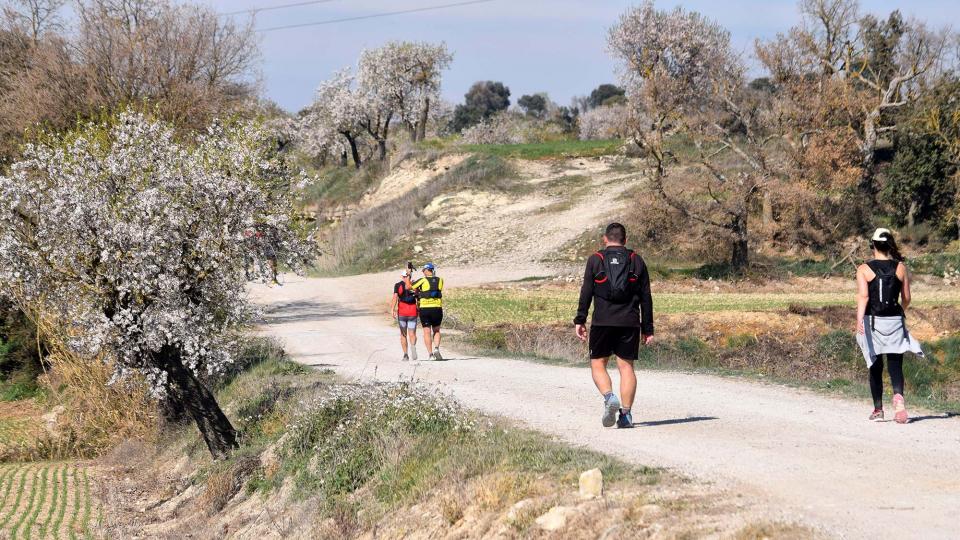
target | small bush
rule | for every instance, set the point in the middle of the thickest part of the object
(840, 347)
(337, 444)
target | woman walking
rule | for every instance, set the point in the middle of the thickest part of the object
(883, 293)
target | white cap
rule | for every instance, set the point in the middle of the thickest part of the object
(405, 273)
(878, 235)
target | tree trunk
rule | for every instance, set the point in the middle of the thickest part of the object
(911, 214)
(868, 150)
(767, 222)
(353, 148)
(422, 123)
(740, 248)
(189, 394)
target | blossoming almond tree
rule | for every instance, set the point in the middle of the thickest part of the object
(136, 241)
(397, 82)
(336, 112)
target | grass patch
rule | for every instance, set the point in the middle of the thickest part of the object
(547, 150)
(334, 185)
(937, 264)
(554, 305)
(398, 442)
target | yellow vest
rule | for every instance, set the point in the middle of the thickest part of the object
(423, 285)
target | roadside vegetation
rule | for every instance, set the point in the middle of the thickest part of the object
(343, 459)
(799, 338)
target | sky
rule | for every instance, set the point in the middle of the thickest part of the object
(553, 46)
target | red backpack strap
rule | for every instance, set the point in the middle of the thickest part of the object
(604, 278)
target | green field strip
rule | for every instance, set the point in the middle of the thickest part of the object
(86, 504)
(18, 492)
(9, 474)
(27, 513)
(57, 487)
(29, 496)
(77, 501)
(27, 531)
(58, 520)
(486, 307)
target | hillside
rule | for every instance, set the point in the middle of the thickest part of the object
(480, 209)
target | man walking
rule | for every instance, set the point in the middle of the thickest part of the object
(617, 282)
(430, 290)
(404, 309)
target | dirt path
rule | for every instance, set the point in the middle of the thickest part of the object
(799, 455)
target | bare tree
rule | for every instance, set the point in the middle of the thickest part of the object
(185, 58)
(866, 68)
(33, 17)
(682, 78)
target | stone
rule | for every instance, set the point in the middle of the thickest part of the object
(556, 518)
(516, 511)
(591, 484)
(418, 249)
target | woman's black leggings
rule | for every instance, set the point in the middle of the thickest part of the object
(895, 366)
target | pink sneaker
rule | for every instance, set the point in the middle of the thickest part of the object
(900, 410)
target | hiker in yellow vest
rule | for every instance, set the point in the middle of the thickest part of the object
(430, 292)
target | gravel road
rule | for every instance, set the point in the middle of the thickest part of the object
(797, 454)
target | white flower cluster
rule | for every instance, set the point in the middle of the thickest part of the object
(606, 122)
(397, 82)
(135, 240)
(508, 127)
(355, 411)
(672, 61)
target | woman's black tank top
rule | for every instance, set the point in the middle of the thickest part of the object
(884, 289)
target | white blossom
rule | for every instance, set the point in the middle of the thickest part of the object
(137, 239)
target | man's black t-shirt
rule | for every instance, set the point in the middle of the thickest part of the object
(638, 312)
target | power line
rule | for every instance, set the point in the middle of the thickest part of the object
(373, 15)
(282, 6)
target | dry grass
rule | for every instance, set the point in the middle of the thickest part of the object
(95, 415)
(223, 485)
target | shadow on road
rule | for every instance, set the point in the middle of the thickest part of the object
(944, 416)
(306, 311)
(672, 421)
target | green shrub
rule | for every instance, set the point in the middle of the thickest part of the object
(840, 347)
(489, 339)
(336, 445)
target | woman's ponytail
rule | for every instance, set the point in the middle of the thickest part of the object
(888, 246)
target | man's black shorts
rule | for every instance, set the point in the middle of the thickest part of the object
(623, 341)
(431, 317)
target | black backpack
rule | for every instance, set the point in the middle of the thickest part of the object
(619, 275)
(888, 286)
(434, 291)
(407, 296)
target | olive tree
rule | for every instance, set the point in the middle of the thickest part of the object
(135, 241)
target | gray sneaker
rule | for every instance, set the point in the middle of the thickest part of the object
(611, 406)
(413, 353)
(436, 355)
(405, 358)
